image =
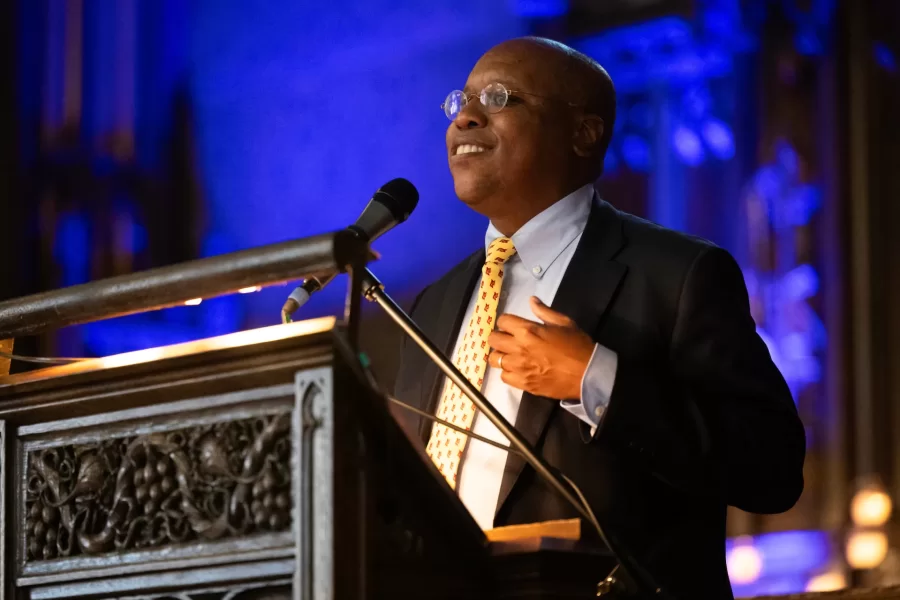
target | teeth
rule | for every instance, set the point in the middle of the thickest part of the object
(468, 149)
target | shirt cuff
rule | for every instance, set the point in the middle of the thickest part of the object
(596, 386)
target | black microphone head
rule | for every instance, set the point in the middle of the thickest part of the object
(390, 206)
(399, 196)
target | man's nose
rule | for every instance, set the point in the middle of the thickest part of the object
(472, 116)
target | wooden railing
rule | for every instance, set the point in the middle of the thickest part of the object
(173, 285)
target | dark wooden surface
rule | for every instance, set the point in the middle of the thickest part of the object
(206, 429)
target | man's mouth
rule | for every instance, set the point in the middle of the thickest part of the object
(468, 149)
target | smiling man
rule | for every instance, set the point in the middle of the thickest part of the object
(623, 351)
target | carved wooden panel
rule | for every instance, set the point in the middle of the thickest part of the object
(207, 482)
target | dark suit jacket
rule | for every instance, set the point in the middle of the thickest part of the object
(699, 417)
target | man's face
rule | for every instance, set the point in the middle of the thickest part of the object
(521, 150)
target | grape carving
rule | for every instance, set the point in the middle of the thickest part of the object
(210, 482)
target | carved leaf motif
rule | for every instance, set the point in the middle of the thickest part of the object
(206, 482)
(90, 478)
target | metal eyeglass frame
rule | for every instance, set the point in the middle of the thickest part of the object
(482, 95)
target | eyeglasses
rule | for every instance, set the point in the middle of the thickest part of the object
(493, 97)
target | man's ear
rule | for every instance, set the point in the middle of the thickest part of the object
(586, 141)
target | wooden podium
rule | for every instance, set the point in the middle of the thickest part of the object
(254, 465)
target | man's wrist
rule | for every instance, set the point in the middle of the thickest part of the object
(584, 363)
(598, 381)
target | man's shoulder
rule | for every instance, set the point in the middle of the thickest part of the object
(649, 241)
(647, 244)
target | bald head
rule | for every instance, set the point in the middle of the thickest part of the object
(578, 78)
(539, 132)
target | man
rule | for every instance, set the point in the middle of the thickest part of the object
(623, 351)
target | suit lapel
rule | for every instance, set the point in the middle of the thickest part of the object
(584, 294)
(456, 295)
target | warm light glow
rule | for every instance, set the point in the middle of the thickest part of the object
(231, 340)
(827, 582)
(193, 302)
(744, 562)
(871, 506)
(249, 290)
(866, 549)
(132, 358)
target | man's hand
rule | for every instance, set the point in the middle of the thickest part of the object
(545, 359)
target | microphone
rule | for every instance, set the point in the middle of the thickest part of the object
(391, 205)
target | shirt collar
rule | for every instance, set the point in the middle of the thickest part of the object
(542, 239)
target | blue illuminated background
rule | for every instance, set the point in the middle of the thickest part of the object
(304, 114)
(300, 111)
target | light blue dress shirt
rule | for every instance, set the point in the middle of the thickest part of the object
(544, 248)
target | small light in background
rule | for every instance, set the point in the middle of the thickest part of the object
(696, 102)
(807, 41)
(827, 582)
(193, 302)
(249, 290)
(719, 138)
(866, 549)
(791, 553)
(871, 506)
(744, 562)
(687, 145)
(884, 56)
(800, 283)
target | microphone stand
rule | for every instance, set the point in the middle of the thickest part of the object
(373, 290)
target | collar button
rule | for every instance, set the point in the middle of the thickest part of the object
(537, 270)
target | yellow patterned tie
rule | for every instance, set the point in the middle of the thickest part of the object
(445, 447)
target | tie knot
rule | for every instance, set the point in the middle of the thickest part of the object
(500, 250)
